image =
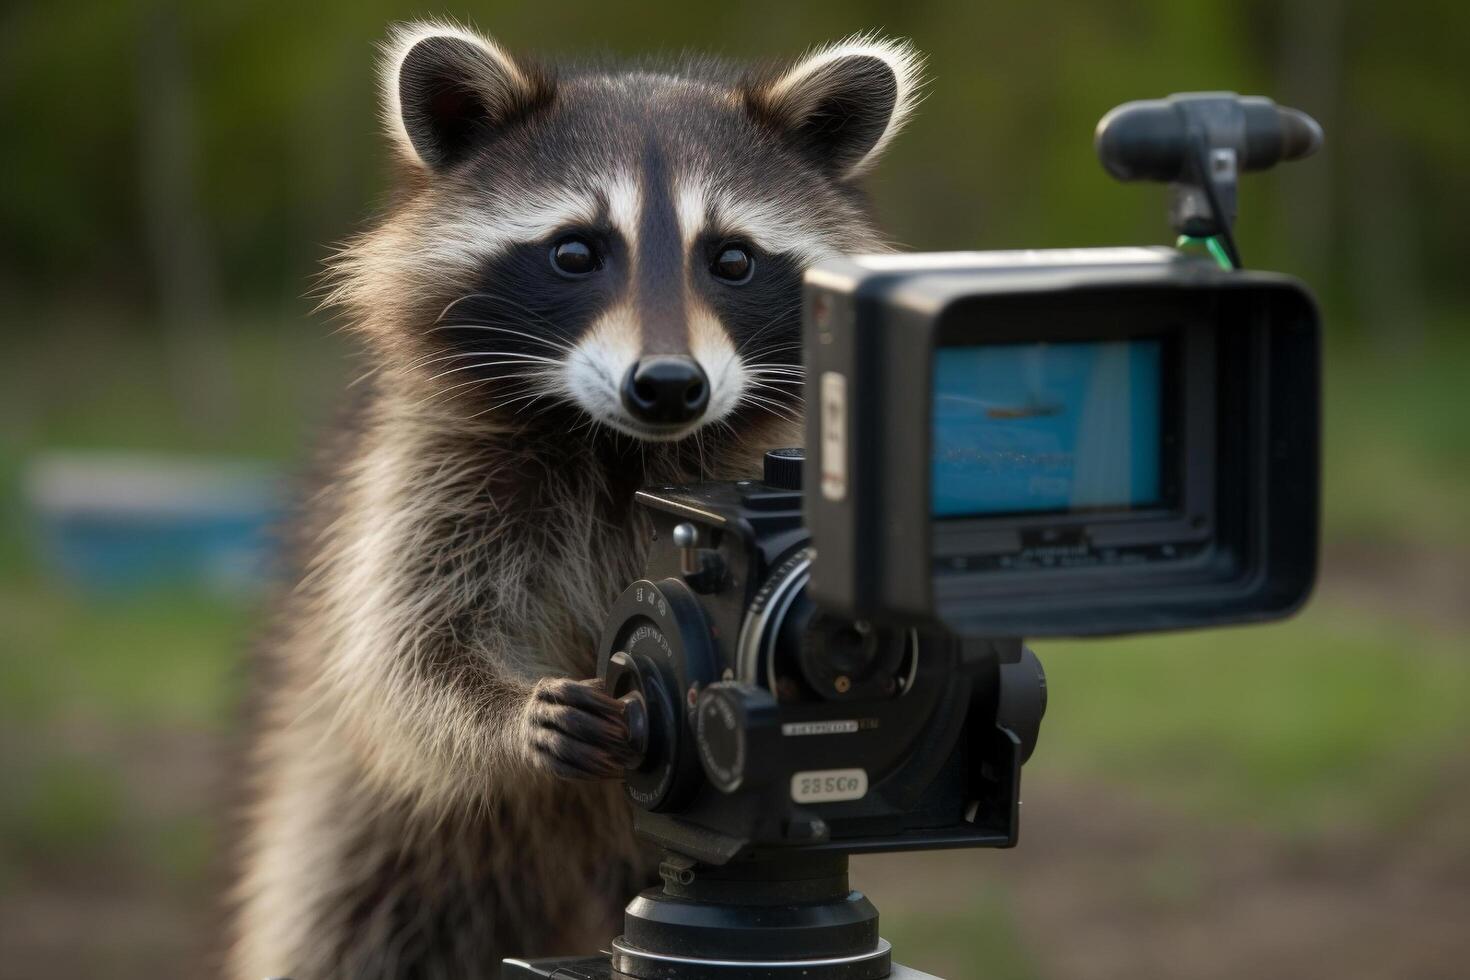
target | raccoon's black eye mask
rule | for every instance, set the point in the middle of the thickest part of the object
(576, 256)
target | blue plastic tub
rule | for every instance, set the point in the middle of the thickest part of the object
(112, 522)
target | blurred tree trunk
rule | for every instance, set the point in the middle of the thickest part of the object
(1310, 77)
(178, 240)
(1371, 247)
(1387, 282)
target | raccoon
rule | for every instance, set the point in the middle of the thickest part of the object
(589, 280)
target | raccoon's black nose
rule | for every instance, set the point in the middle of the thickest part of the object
(667, 389)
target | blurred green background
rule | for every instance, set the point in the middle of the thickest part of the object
(1281, 801)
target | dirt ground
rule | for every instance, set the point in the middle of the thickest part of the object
(1104, 887)
(1417, 584)
(126, 904)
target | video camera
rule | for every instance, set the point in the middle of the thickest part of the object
(827, 660)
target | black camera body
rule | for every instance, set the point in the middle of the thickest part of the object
(826, 660)
(769, 726)
(1001, 445)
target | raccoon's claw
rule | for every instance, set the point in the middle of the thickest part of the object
(577, 731)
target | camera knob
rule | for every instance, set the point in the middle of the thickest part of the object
(735, 730)
(624, 680)
(782, 469)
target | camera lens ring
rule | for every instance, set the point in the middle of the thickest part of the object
(658, 630)
(767, 609)
(755, 647)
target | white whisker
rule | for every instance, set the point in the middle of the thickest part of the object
(776, 349)
(503, 300)
(779, 320)
(548, 341)
(516, 376)
(778, 391)
(504, 362)
(509, 401)
(775, 408)
(492, 353)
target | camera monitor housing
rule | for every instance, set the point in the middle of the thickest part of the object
(1062, 442)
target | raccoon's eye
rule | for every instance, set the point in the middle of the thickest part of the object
(734, 264)
(574, 256)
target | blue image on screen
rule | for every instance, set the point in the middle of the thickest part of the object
(1046, 427)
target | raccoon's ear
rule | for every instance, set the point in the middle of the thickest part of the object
(842, 103)
(444, 87)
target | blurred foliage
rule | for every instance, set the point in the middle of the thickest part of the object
(246, 133)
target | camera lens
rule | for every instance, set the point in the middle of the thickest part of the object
(852, 648)
(801, 654)
(850, 660)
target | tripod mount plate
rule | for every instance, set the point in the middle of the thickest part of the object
(600, 968)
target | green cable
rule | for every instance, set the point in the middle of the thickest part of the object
(1211, 244)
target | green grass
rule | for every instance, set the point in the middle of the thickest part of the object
(1334, 718)
(86, 687)
(160, 660)
(61, 809)
(69, 811)
(1396, 453)
(973, 935)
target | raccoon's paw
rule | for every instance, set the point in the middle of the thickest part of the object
(576, 730)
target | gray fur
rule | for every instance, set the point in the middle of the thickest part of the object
(408, 815)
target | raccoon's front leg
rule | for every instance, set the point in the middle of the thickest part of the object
(576, 730)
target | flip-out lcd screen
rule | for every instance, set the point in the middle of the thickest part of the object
(1047, 427)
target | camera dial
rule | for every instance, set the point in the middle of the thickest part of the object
(657, 648)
